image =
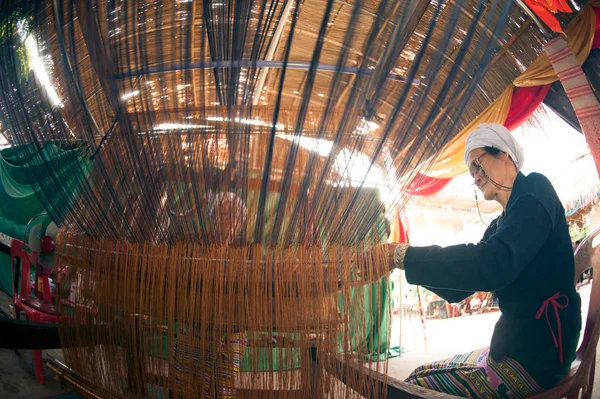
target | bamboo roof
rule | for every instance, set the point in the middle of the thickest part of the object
(152, 63)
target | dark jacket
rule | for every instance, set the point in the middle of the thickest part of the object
(524, 257)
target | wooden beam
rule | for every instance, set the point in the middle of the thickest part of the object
(300, 31)
(535, 19)
(100, 57)
(415, 11)
(450, 58)
(398, 39)
(494, 60)
(192, 37)
(472, 16)
(331, 23)
(354, 375)
(271, 51)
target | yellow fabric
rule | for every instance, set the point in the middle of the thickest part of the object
(395, 227)
(580, 36)
(451, 163)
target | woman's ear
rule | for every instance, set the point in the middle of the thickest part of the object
(507, 159)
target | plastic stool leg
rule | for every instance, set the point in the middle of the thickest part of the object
(38, 366)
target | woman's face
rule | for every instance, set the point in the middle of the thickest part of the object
(228, 220)
(484, 166)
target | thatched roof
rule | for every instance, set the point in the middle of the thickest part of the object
(159, 53)
(191, 86)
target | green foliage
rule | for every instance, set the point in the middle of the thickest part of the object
(8, 32)
(578, 233)
(9, 21)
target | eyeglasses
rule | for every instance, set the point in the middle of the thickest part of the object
(476, 165)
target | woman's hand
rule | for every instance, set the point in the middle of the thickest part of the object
(390, 250)
(392, 255)
(399, 254)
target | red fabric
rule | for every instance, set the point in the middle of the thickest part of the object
(596, 42)
(424, 185)
(553, 300)
(544, 13)
(402, 229)
(524, 102)
(560, 6)
(405, 228)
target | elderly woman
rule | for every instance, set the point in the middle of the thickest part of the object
(525, 257)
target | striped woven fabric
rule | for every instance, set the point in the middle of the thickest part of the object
(476, 375)
(579, 91)
(215, 375)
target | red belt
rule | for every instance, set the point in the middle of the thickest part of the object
(555, 305)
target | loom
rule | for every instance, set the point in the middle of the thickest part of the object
(228, 164)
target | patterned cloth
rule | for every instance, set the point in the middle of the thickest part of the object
(476, 375)
(226, 364)
(218, 369)
(579, 91)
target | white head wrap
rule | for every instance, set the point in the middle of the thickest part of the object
(496, 136)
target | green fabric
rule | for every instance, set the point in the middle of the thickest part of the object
(18, 204)
(377, 318)
(264, 359)
(276, 359)
(56, 175)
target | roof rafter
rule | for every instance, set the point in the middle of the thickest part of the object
(262, 76)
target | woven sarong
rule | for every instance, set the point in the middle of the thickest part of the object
(476, 375)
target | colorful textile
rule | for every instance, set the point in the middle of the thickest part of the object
(582, 35)
(545, 9)
(450, 163)
(476, 375)
(524, 102)
(424, 185)
(218, 368)
(225, 365)
(579, 92)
